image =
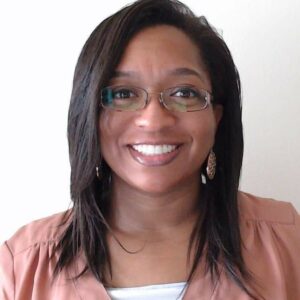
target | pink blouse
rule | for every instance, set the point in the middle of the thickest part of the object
(271, 249)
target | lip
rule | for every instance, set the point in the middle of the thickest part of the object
(154, 160)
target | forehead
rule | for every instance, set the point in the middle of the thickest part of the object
(158, 52)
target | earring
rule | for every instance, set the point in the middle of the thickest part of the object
(98, 171)
(203, 178)
(211, 165)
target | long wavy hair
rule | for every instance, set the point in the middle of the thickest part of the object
(216, 234)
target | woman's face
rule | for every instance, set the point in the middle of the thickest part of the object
(156, 59)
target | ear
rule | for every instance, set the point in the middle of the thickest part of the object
(218, 112)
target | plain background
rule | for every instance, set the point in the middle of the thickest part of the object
(40, 43)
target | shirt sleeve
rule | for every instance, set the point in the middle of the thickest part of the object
(272, 248)
(6, 273)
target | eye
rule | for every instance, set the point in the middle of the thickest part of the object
(185, 98)
(123, 93)
(123, 98)
(184, 92)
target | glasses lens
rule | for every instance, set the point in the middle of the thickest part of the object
(123, 98)
(185, 98)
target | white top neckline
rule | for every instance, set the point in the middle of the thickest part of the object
(168, 291)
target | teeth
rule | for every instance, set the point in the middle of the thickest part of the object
(154, 149)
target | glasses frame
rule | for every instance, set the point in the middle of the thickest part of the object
(208, 98)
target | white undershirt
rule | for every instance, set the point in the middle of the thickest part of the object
(169, 291)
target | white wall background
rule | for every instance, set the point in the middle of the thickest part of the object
(39, 44)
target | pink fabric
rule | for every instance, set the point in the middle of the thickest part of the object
(271, 248)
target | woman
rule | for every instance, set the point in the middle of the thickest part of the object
(156, 146)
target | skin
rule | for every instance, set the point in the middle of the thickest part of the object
(153, 208)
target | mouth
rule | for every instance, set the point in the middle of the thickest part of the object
(150, 150)
(154, 154)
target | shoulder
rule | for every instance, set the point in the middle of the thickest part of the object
(42, 231)
(28, 258)
(267, 210)
(270, 232)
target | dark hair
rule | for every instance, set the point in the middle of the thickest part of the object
(217, 233)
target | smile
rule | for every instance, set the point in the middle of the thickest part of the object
(154, 155)
(154, 149)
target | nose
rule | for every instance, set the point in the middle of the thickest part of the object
(155, 117)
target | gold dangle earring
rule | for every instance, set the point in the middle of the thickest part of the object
(211, 165)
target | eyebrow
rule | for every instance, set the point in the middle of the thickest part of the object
(175, 72)
(118, 74)
(186, 72)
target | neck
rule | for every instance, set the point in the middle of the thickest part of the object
(137, 212)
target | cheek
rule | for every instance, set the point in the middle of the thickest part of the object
(108, 131)
(111, 130)
(203, 129)
(203, 136)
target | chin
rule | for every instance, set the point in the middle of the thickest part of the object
(155, 187)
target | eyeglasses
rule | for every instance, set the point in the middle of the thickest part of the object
(179, 99)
